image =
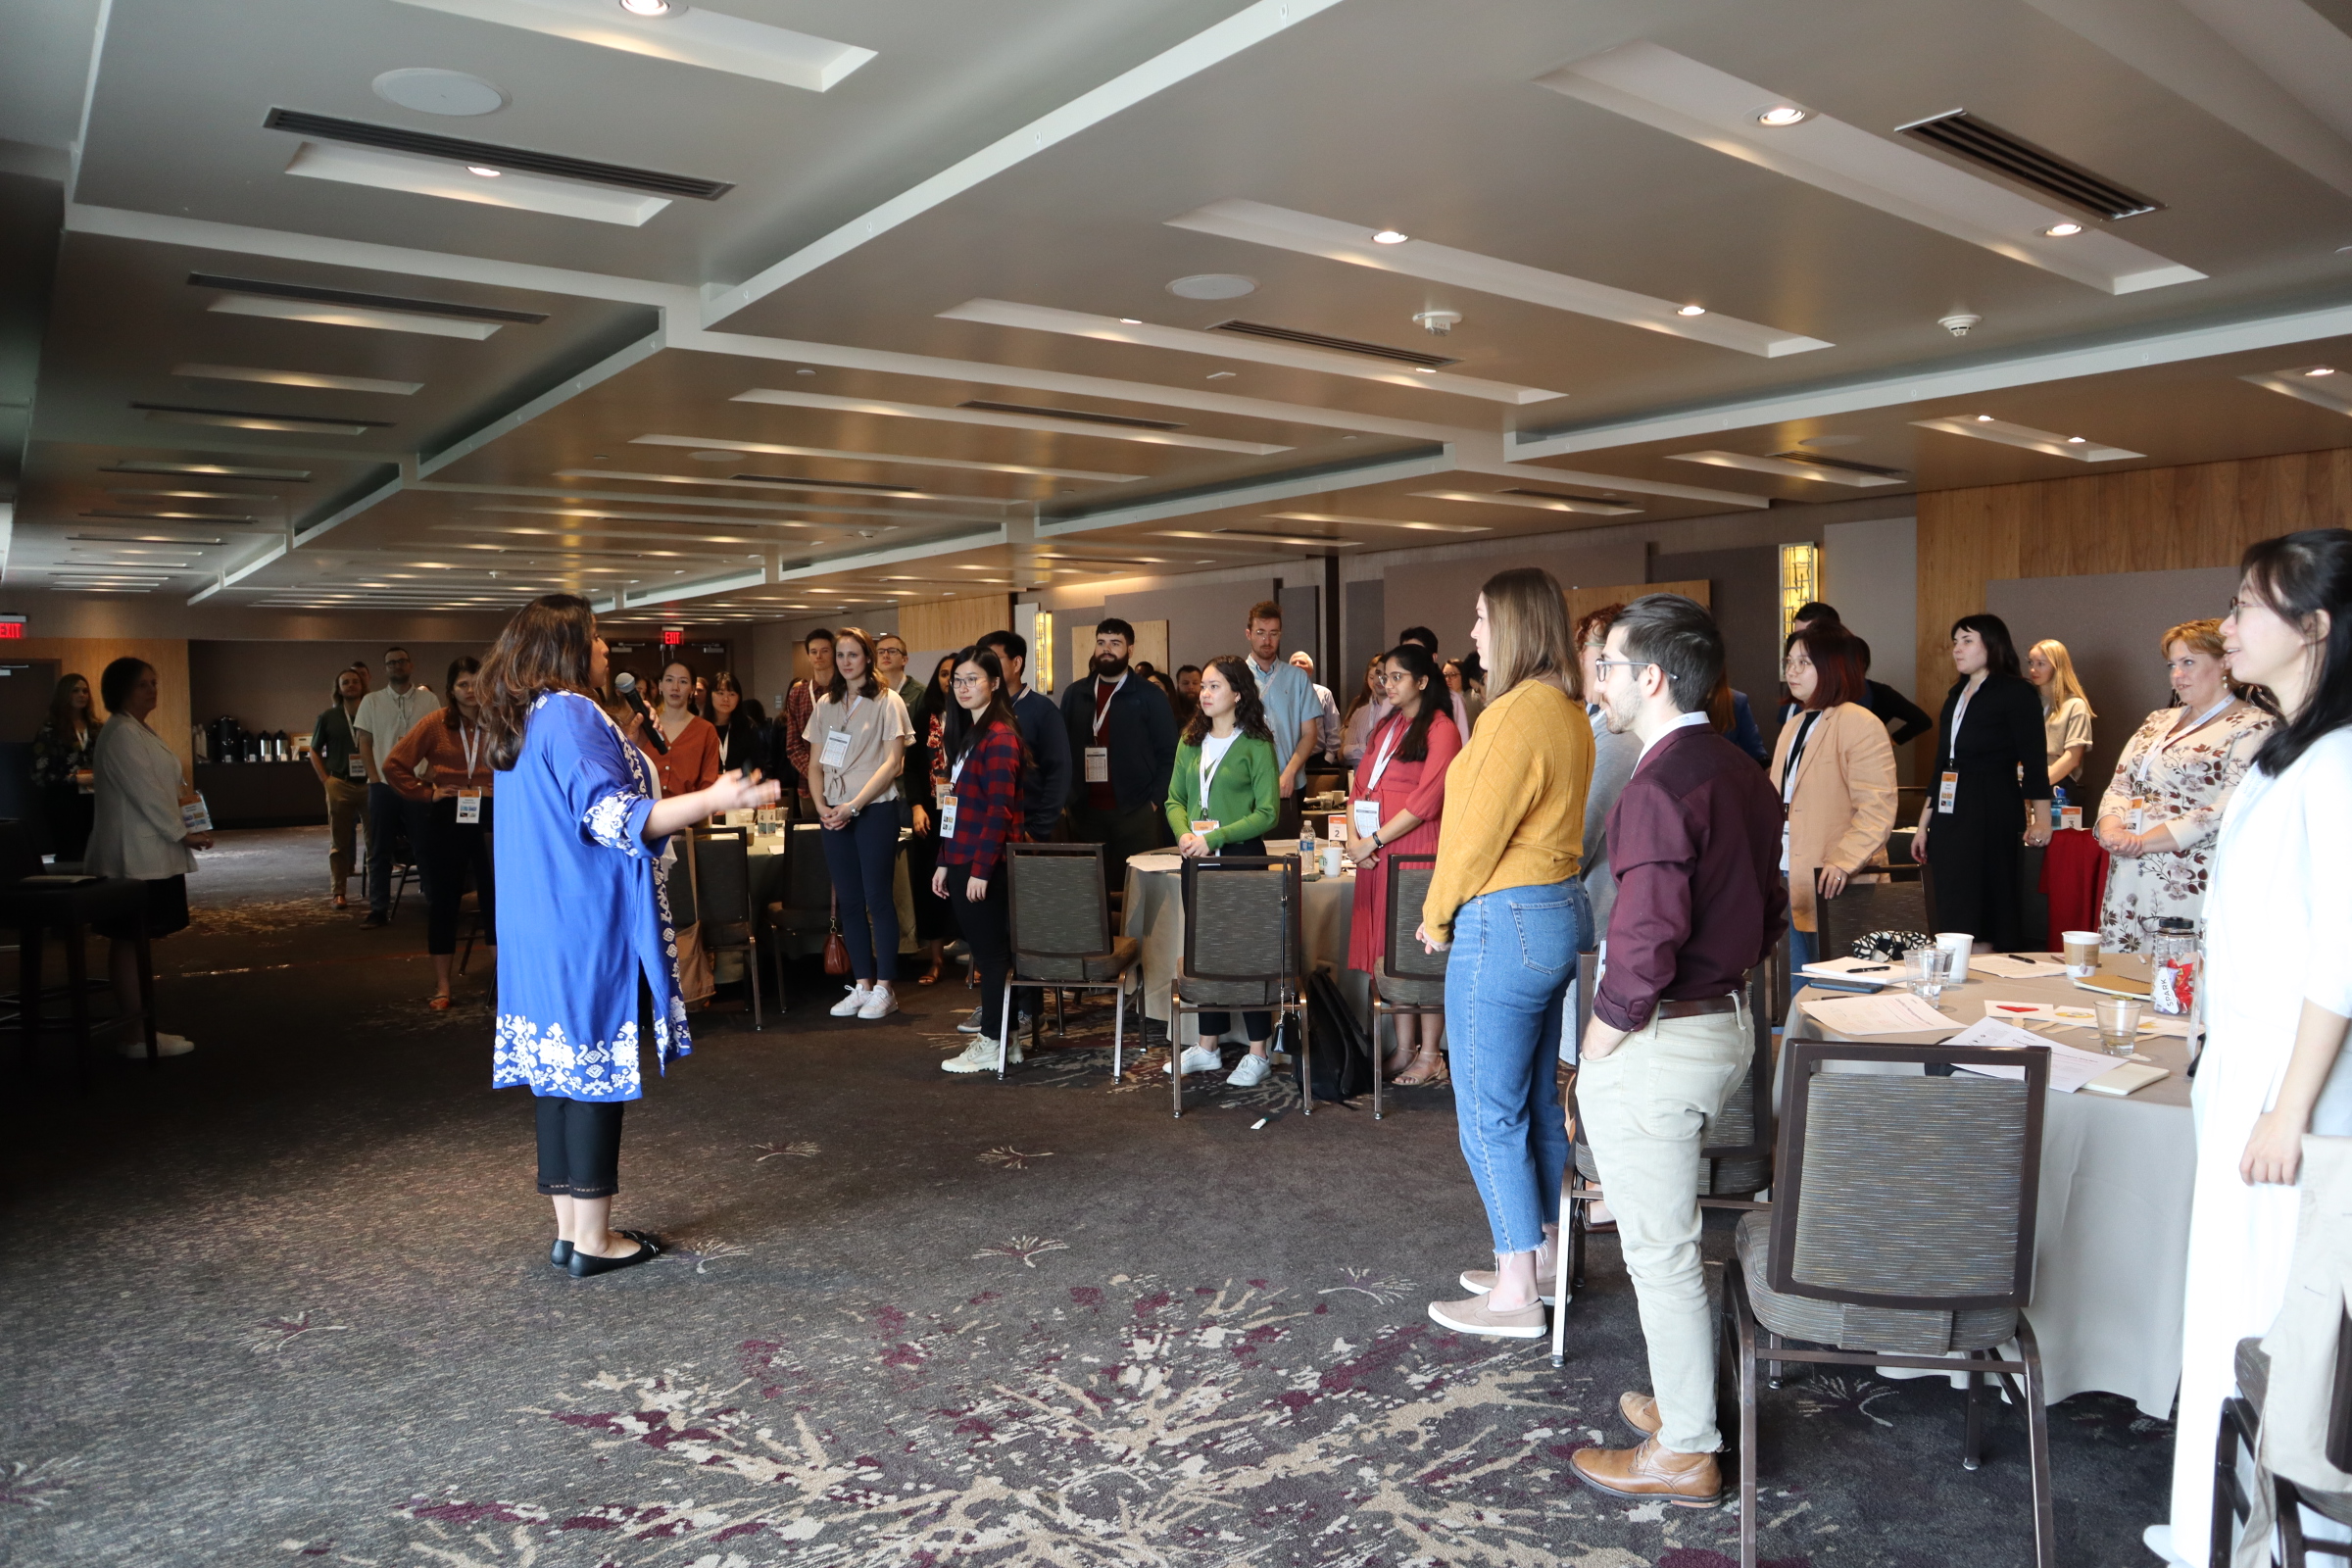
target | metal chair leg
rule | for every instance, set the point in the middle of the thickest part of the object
(1119, 1028)
(1560, 1290)
(1377, 1010)
(751, 969)
(1306, 1062)
(1971, 1442)
(1060, 1027)
(1006, 1022)
(1176, 1013)
(2037, 1447)
(1743, 1325)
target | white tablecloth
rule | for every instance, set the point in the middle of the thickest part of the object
(1156, 915)
(2111, 1237)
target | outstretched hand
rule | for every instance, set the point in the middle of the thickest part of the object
(741, 788)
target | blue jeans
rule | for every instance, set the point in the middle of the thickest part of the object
(1514, 953)
(861, 859)
(1801, 952)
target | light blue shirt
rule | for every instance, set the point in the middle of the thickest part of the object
(1291, 703)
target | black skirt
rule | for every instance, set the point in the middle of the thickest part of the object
(165, 912)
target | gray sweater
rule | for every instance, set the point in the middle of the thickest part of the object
(1613, 759)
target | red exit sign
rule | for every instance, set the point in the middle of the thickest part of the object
(12, 628)
(672, 636)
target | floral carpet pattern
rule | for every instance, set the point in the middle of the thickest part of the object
(287, 1300)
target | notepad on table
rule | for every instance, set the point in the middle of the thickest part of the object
(2127, 1079)
(2071, 1068)
(2019, 965)
(2108, 983)
(1897, 1012)
(1855, 972)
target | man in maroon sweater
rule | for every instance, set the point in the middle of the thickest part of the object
(1694, 842)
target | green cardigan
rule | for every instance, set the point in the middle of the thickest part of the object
(1241, 797)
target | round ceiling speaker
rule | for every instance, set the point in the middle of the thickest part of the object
(430, 90)
(1214, 286)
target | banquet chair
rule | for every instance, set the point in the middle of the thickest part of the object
(1061, 916)
(2242, 1427)
(1734, 1164)
(1898, 904)
(1410, 982)
(722, 864)
(1243, 949)
(1901, 1233)
(807, 908)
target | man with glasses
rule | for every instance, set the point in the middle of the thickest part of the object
(1696, 842)
(385, 718)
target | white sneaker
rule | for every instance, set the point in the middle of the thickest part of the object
(1200, 1058)
(880, 1002)
(848, 1005)
(978, 1056)
(165, 1045)
(1252, 1073)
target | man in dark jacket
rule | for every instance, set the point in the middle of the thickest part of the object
(1123, 739)
(1046, 785)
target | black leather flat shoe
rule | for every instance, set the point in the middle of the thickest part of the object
(584, 1264)
(559, 1255)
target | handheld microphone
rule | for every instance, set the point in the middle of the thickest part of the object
(625, 684)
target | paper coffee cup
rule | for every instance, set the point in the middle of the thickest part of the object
(1958, 944)
(2082, 952)
(1331, 859)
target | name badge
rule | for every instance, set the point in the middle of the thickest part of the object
(469, 805)
(2137, 817)
(947, 817)
(2070, 819)
(1365, 817)
(1097, 764)
(1946, 791)
(1205, 826)
(358, 767)
(837, 748)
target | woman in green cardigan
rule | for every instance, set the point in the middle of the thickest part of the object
(1222, 794)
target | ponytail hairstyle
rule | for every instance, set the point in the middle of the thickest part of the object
(1248, 713)
(550, 646)
(1414, 660)
(2299, 577)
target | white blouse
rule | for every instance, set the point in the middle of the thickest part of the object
(138, 828)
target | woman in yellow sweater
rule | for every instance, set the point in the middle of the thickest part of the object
(1506, 900)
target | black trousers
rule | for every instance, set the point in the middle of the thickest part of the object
(1974, 858)
(389, 813)
(987, 928)
(579, 1147)
(1121, 834)
(450, 848)
(1257, 1025)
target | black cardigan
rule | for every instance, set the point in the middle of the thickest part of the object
(2001, 733)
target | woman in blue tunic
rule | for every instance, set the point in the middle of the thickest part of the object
(587, 958)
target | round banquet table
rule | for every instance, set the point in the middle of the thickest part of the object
(2111, 1233)
(1155, 916)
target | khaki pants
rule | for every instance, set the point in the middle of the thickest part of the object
(346, 805)
(1647, 1107)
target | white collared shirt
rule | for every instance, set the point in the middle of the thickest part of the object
(1686, 722)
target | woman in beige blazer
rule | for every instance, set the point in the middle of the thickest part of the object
(1836, 772)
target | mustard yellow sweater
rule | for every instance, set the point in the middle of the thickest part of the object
(1514, 802)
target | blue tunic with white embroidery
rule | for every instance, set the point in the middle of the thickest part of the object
(581, 910)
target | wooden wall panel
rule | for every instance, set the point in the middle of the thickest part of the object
(1582, 602)
(90, 655)
(955, 622)
(2148, 519)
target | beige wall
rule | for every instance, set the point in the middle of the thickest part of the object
(90, 655)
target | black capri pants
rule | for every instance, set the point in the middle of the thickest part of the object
(1257, 1025)
(579, 1140)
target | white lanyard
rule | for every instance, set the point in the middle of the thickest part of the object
(2147, 761)
(1102, 703)
(1208, 770)
(1952, 743)
(472, 740)
(1379, 763)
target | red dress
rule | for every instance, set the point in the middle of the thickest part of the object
(1415, 787)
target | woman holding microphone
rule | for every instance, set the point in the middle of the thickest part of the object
(1991, 772)
(1506, 900)
(444, 764)
(1399, 792)
(585, 828)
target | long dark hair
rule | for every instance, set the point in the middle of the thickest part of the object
(726, 681)
(2298, 576)
(2000, 652)
(550, 646)
(1248, 713)
(961, 732)
(462, 664)
(60, 704)
(1434, 697)
(839, 690)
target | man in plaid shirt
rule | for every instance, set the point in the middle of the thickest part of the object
(801, 702)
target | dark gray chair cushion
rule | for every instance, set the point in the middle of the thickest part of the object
(1897, 1331)
(1125, 953)
(1409, 993)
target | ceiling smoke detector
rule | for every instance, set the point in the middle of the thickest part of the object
(1436, 324)
(1958, 322)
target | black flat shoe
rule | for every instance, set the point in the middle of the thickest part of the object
(584, 1264)
(559, 1255)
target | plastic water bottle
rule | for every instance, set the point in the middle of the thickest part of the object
(1309, 867)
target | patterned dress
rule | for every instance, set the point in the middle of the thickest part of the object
(582, 914)
(2184, 782)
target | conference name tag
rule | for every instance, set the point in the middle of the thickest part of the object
(469, 805)
(194, 815)
(837, 748)
(1946, 791)
(2137, 817)
(359, 767)
(2070, 819)
(1366, 818)
(1097, 764)
(947, 817)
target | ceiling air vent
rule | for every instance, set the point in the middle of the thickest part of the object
(1070, 413)
(825, 484)
(375, 302)
(1336, 345)
(1981, 142)
(1842, 465)
(459, 150)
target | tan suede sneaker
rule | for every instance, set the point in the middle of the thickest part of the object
(1478, 1281)
(1685, 1480)
(1475, 1316)
(1641, 1412)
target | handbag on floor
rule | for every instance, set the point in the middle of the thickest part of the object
(1343, 1055)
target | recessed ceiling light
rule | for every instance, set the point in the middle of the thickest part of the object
(2320, 370)
(484, 169)
(1219, 376)
(2075, 441)
(1690, 310)
(1984, 418)
(1781, 114)
(1390, 236)
(2066, 230)
(646, 7)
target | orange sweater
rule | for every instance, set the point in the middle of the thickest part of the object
(432, 742)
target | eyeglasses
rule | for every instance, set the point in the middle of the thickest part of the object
(1604, 665)
(966, 683)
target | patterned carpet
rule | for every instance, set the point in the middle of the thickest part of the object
(287, 1300)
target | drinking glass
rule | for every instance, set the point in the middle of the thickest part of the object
(1925, 971)
(2119, 1023)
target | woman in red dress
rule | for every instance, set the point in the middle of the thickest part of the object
(1399, 794)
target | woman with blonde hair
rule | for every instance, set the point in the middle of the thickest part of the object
(2162, 811)
(1506, 900)
(2066, 713)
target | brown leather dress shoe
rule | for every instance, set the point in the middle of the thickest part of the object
(1641, 1412)
(1685, 1480)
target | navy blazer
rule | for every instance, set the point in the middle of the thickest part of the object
(1047, 784)
(1140, 731)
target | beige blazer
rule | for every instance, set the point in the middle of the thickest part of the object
(1844, 804)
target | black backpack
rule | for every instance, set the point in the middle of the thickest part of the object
(1343, 1055)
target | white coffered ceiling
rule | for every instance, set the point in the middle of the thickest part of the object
(922, 335)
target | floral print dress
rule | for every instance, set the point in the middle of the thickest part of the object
(2184, 781)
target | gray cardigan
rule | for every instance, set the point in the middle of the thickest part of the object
(1613, 759)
